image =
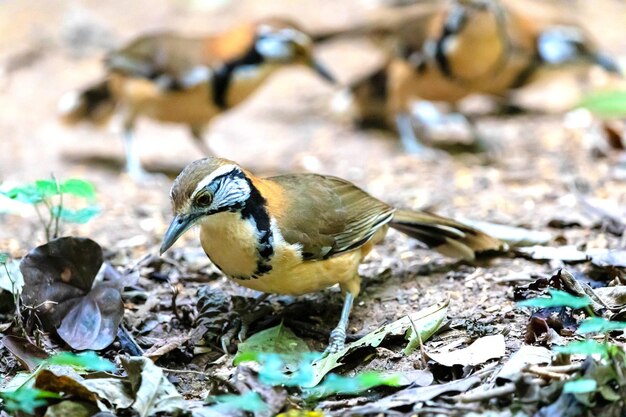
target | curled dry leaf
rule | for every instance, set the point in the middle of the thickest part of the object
(567, 254)
(145, 389)
(526, 355)
(50, 381)
(28, 355)
(608, 257)
(482, 350)
(58, 280)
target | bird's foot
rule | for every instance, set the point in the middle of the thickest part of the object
(337, 341)
(249, 313)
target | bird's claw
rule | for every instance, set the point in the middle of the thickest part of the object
(243, 331)
(337, 341)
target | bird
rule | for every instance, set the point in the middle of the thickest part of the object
(459, 48)
(172, 78)
(299, 233)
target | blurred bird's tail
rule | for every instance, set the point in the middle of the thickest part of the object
(94, 104)
(446, 236)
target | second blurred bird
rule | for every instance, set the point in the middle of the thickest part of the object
(447, 50)
(184, 80)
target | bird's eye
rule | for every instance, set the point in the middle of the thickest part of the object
(203, 200)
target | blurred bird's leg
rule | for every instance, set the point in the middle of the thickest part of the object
(252, 313)
(410, 141)
(197, 132)
(338, 335)
(133, 163)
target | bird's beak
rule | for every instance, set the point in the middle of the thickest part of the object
(607, 63)
(321, 70)
(179, 225)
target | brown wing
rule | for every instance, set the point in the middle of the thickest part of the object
(152, 56)
(328, 215)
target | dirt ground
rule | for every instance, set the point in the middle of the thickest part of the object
(533, 178)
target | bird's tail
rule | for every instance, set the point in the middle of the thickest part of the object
(446, 236)
(94, 104)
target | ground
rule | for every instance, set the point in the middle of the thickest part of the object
(539, 174)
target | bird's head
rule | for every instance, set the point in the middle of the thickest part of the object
(566, 45)
(205, 187)
(283, 42)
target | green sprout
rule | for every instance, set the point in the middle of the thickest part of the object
(47, 198)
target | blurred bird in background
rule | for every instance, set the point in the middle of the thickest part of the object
(447, 51)
(172, 78)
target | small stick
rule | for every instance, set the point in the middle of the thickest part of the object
(184, 371)
(546, 374)
(496, 392)
(560, 368)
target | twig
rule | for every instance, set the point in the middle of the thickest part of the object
(175, 292)
(423, 358)
(539, 371)
(42, 221)
(57, 216)
(452, 409)
(506, 389)
(185, 371)
(514, 278)
(48, 224)
(560, 368)
(135, 265)
(19, 319)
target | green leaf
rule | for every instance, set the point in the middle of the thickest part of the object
(250, 401)
(26, 194)
(287, 370)
(607, 104)
(580, 386)
(80, 216)
(351, 385)
(277, 339)
(600, 325)
(4, 257)
(557, 299)
(86, 360)
(47, 188)
(26, 399)
(79, 188)
(585, 347)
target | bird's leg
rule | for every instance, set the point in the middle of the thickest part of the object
(478, 143)
(251, 316)
(198, 139)
(133, 163)
(409, 140)
(338, 335)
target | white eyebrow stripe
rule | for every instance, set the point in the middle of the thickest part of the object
(224, 169)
